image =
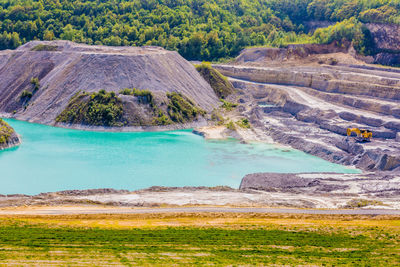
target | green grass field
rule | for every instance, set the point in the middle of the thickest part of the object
(243, 241)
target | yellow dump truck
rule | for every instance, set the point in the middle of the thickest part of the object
(363, 135)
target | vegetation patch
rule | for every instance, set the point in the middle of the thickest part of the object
(244, 123)
(249, 241)
(5, 132)
(146, 97)
(231, 126)
(26, 95)
(198, 29)
(44, 47)
(217, 117)
(348, 30)
(181, 109)
(219, 83)
(228, 106)
(97, 109)
(360, 203)
(35, 83)
(109, 109)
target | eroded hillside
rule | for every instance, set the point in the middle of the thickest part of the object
(39, 79)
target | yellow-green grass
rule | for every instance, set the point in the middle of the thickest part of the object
(200, 239)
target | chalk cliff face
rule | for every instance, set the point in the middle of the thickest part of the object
(327, 79)
(63, 68)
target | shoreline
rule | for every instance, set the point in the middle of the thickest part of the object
(304, 191)
(124, 129)
(324, 191)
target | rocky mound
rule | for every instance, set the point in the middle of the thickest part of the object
(130, 107)
(8, 137)
(370, 184)
(39, 79)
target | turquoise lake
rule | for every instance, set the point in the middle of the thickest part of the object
(53, 159)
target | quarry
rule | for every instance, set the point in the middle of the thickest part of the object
(303, 97)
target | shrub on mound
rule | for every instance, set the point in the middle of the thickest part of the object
(181, 109)
(97, 109)
(5, 132)
(107, 109)
(44, 47)
(219, 83)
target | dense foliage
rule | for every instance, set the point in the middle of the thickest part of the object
(181, 109)
(5, 132)
(98, 109)
(198, 29)
(219, 83)
(108, 109)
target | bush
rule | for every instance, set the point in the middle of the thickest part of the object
(161, 118)
(26, 95)
(5, 132)
(181, 109)
(43, 47)
(231, 126)
(219, 83)
(215, 116)
(98, 109)
(228, 105)
(144, 96)
(35, 83)
(244, 123)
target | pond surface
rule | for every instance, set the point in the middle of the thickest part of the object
(52, 159)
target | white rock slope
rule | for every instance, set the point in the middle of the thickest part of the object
(64, 68)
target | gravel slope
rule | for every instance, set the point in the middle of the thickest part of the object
(77, 67)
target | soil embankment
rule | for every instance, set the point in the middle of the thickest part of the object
(39, 79)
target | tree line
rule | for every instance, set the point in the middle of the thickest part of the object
(197, 29)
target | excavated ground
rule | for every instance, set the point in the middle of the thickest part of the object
(309, 105)
(310, 108)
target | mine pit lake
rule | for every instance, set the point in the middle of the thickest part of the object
(53, 159)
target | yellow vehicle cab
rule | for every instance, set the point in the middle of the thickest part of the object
(363, 135)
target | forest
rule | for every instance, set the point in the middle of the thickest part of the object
(198, 29)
